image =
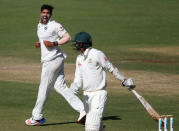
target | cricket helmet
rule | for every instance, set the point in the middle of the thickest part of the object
(82, 40)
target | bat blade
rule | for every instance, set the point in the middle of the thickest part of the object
(147, 106)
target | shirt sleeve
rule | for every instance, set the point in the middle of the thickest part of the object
(107, 65)
(60, 30)
(78, 75)
(104, 62)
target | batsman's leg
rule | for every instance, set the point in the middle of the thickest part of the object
(95, 104)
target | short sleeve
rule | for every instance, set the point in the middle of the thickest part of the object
(60, 30)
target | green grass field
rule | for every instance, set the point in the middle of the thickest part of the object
(139, 36)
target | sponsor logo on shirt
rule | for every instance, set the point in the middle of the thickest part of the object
(79, 64)
(105, 58)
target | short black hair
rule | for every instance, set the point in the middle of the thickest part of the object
(48, 7)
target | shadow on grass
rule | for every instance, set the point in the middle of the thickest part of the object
(106, 118)
(111, 118)
(60, 123)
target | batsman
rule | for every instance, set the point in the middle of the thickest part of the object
(90, 74)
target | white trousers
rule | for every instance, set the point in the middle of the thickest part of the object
(53, 76)
(94, 103)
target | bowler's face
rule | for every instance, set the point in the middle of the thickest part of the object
(45, 16)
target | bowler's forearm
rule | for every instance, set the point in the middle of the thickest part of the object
(65, 39)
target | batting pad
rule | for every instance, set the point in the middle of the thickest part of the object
(93, 121)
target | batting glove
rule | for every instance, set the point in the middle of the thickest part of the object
(129, 83)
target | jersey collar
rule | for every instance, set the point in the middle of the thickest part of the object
(86, 52)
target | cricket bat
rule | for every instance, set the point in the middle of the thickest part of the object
(147, 106)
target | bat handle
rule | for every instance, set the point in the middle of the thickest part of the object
(135, 93)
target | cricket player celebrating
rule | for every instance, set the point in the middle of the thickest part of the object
(51, 34)
(90, 70)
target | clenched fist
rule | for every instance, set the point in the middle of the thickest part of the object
(37, 44)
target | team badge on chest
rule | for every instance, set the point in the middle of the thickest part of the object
(45, 28)
(90, 61)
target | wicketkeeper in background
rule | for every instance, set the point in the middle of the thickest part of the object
(91, 65)
(51, 34)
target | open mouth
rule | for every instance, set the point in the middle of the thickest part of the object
(45, 17)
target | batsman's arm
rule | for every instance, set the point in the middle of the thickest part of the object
(107, 65)
(77, 83)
